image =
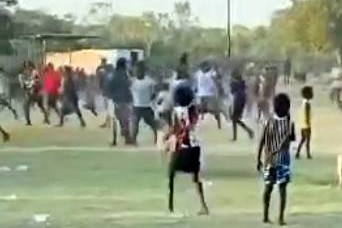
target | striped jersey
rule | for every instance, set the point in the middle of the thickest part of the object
(278, 134)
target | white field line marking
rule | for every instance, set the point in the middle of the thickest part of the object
(220, 150)
(127, 198)
(144, 214)
(75, 148)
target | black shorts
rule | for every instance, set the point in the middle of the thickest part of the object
(186, 160)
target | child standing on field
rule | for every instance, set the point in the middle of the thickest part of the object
(275, 145)
(306, 119)
(186, 155)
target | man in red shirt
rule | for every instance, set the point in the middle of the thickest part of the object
(51, 85)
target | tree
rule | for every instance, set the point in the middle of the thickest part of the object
(335, 25)
(183, 14)
(99, 13)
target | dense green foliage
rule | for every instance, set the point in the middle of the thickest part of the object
(308, 31)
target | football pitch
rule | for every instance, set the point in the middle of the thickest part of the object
(75, 178)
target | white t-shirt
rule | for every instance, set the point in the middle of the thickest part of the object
(3, 84)
(205, 84)
(164, 102)
(142, 91)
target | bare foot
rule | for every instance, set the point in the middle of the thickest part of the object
(104, 125)
(251, 135)
(282, 223)
(267, 221)
(203, 212)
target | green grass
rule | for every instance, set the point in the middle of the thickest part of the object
(128, 187)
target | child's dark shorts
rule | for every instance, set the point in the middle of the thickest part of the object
(186, 160)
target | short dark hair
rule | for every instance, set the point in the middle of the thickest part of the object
(307, 92)
(282, 105)
(31, 64)
(184, 58)
(121, 64)
(236, 74)
(68, 70)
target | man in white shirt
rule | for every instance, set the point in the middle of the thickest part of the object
(143, 92)
(206, 88)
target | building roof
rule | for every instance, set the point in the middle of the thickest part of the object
(58, 36)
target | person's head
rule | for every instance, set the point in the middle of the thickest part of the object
(61, 69)
(50, 66)
(236, 74)
(307, 92)
(68, 72)
(205, 66)
(141, 70)
(121, 64)
(31, 65)
(184, 58)
(1, 69)
(282, 105)
(103, 61)
(164, 86)
(183, 96)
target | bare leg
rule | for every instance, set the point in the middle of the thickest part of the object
(308, 144)
(8, 105)
(27, 107)
(106, 123)
(301, 143)
(151, 122)
(234, 130)
(266, 202)
(246, 128)
(40, 103)
(115, 132)
(218, 120)
(199, 186)
(80, 117)
(283, 198)
(171, 190)
(137, 114)
(5, 135)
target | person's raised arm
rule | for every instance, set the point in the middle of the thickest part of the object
(261, 149)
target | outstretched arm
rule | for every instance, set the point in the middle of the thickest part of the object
(260, 150)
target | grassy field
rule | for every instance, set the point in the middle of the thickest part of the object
(82, 183)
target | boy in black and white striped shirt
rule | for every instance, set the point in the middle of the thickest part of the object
(275, 143)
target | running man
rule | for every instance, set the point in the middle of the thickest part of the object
(30, 82)
(143, 92)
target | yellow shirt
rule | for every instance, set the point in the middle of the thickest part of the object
(304, 122)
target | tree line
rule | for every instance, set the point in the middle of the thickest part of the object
(308, 31)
